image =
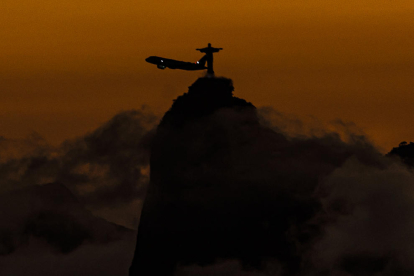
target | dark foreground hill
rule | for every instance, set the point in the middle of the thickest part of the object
(224, 187)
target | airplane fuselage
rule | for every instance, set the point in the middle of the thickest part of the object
(163, 63)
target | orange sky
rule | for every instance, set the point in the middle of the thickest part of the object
(68, 66)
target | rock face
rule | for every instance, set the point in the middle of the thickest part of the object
(210, 197)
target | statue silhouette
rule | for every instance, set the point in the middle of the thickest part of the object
(209, 56)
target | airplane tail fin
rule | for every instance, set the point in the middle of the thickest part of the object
(203, 60)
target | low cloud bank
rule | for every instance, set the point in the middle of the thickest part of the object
(106, 168)
(51, 197)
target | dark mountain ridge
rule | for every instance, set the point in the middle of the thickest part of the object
(224, 187)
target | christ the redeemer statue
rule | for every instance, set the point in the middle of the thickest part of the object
(209, 56)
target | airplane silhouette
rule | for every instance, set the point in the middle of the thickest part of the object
(163, 63)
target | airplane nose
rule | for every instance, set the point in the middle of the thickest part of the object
(147, 59)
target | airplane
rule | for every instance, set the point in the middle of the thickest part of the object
(163, 63)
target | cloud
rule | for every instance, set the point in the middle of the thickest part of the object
(51, 215)
(88, 260)
(49, 195)
(33, 144)
(372, 227)
(110, 165)
(107, 167)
